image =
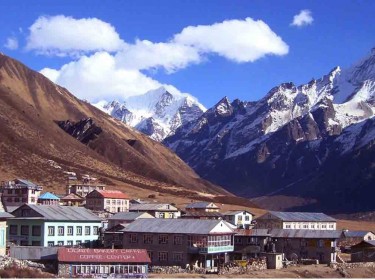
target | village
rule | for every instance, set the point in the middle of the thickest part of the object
(92, 231)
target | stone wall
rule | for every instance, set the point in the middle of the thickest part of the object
(353, 265)
(242, 268)
(63, 270)
(175, 269)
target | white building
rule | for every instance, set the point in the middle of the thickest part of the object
(296, 220)
(53, 225)
(158, 210)
(239, 218)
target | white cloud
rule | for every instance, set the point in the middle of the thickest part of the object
(303, 18)
(96, 77)
(11, 43)
(146, 55)
(106, 67)
(61, 35)
(237, 40)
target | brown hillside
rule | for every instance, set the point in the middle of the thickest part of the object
(30, 107)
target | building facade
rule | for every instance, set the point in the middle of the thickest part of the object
(320, 245)
(296, 220)
(42, 225)
(83, 188)
(102, 263)
(48, 199)
(107, 200)
(4, 216)
(363, 252)
(158, 210)
(18, 192)
(241, 219)
(249, 243)
(181, 242)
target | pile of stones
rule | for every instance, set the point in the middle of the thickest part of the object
(6, 262)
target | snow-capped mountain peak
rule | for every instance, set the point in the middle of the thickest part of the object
(157, 113)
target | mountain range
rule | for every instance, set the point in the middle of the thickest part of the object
(157, 113)
(46, 131)
(306, 147)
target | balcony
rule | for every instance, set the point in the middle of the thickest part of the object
(211, 249)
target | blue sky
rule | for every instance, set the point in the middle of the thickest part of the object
(204, 48)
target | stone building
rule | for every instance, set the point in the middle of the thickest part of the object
(296, 220)
(297, 244)
(102, 263)
(107, 200)
(18, 192)
(249, 243)
(181, 242)
(84, 188)
(363, 252)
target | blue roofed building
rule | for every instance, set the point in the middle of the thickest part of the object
(48, 198)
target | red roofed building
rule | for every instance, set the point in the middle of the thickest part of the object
(102, 263)
(110, 201)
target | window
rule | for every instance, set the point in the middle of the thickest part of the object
(24, 200)
(60, 243)
(10, 191)
(9, 199)
(177, 240)
(95, 230)
(150, 254)
(69, 243)
(16, 199)
(161, 215)
(24, 230)
(32, 200)
(24, 243)
(324, 226)
(305, 226)
(35, 243)
(13, 229)
(70, 230)
(247, 218)
(237, 240)
(108, 202)
(320, 243)
(133, 238)
(163, 256)
(51, 231)
(287, 226)
(60, 230)
(87, 230)
(79, 230)
(78, 242)
(36, 230)
(330, 226)
(147, 239)
(239, 218)
(163, 239)
(177, 257)
(50, 243)
(312, 226)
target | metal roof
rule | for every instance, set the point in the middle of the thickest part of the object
(200, 204)
(151, 207)
(301, 216)
(5, 215)
(353, 233)
(33, 253)
(182, 226)
(303, 233)
(48, 195)
(364, 243)
(73, 255)
(252, 232)
(62, 213)
(109, 194)
(72, 196)
(129, 215)
(26, 182)
(202, 214)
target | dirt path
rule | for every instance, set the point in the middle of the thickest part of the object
(302, 271)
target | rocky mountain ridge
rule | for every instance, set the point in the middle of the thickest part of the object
(157, 113)
(285, 143)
